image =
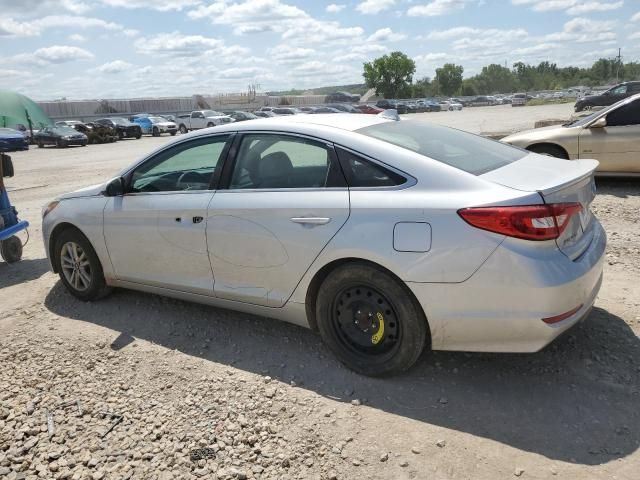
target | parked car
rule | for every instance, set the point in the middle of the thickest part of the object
(68, 123)
(450, 105)
(519, 100)
(123, 127)
(307, 109)
(156, 126)
(349, 225)
(264, 113)
(325, 110)
(171, 118)
(286, 111)
(342, 97)
(201, 119)
(12, 140)
(611, 136)
(609, 97)
(431, 105)
(97, 133)
(369, 109)
(61, 137)
(266, 109)
(480, 101)
(343, 107)
(240, 116)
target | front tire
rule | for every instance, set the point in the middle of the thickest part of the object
(370, 320)
(155, 132)
(11, 249)
(183, 129)
(79, 267)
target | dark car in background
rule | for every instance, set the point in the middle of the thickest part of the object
(611, 96)
(12, 140)
(264, 113)
(124, 128)
(342, 97)
(343, 107)
(61, 137)
(286, 111)
(391, 104)
(326, 110)
(369, 109)
(240, 116)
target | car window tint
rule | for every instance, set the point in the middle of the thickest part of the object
(188, 166)
(363, 173)
(628, 114)
(280, 161)
(621, 90)
(465, 151)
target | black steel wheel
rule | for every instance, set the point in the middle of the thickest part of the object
(11, 249)
(370, 320)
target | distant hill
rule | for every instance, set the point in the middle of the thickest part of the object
(359, 88)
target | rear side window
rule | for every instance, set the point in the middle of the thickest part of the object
(363, 173)
(465, 151)
(625, 115)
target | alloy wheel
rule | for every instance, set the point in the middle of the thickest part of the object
(76, 266)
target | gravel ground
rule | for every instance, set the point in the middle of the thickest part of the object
(197, 392)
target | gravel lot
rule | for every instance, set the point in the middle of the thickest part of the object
(266, 400)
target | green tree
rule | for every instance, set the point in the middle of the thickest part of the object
(421, 88)
(495, 78)
(449, 78)
(391, 75)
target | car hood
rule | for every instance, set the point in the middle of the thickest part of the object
(91, 191)
(165, 124)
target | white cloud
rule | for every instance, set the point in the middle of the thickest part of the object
(371, 7)
(430, 57)
(76, 37)
(176, 44)
(386, 35)
(244, 73)
(335, 7)
(636, 17)
(161, 5)
(588, 7)
(634, 36)
(62, 54)
(117, 66)
(436, 8)
(572, 7)
(289, 54)
(12, 28)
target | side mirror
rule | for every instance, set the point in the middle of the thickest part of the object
(7, 166)
(115, 188)
(599, 123)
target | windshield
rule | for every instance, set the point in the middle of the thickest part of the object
(589, 118)
(121, 121)
(158, 119)
(64, 130)
(467, 152)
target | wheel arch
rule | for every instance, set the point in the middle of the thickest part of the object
(55, 233)
(548, 144)
(323, 273)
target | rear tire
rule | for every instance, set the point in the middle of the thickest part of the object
(183, 129)
(370, 320)
(155, 132)
(40, 144)
(209, 125)
(79, 266)
(550, 151)
(11, 249)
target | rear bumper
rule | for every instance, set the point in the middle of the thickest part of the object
(501, 307)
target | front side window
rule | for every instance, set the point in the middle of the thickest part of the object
(625, 115)
(188, 166)
(621, 90)
(270, 161)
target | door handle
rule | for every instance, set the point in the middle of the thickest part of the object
(311, 220)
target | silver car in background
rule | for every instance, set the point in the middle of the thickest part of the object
(387, 237)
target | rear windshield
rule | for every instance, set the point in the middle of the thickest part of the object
(462, 150)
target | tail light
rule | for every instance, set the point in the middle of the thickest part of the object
(529, 222)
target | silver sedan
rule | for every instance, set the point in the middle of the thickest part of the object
(387, 237)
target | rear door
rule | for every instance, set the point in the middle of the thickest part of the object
(616, 146)
(286, 199)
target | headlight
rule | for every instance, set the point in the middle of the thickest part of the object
(49, 208)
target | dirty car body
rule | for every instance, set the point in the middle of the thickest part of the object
(495, 247)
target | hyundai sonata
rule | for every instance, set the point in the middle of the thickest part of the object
(387, 237)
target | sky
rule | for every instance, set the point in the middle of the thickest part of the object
(95, 49)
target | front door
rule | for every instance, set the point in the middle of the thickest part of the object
(616, 146)
(286, 199)
(156, 232)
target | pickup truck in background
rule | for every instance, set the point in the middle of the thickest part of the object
(201, 119)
